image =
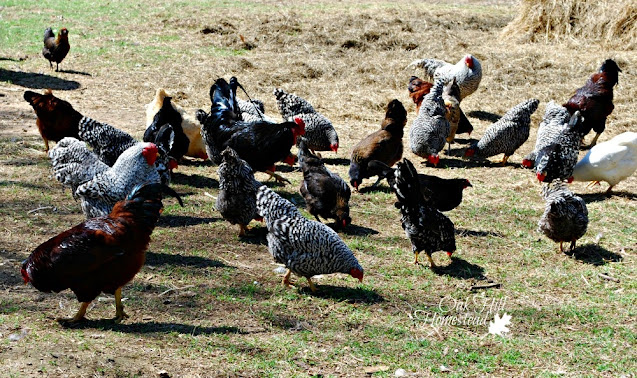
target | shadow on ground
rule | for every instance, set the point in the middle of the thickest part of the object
(462, 269)
(38, 81)
(158, 258)
(594, 254)
(347, 294)
(152, 327)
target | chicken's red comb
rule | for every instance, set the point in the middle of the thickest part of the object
(527, 163)
(541, 177)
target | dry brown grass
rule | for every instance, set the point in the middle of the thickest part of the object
(608, 22)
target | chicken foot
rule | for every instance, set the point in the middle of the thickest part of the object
(416, 262)
(79, 316)
(119, 307)
(312, 286)
(286, 279)
(504, 160)
(593, 143)
(431, 261)
(280, 179)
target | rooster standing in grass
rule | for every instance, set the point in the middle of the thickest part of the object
(306, 247)
(55, 49)
(101, 254)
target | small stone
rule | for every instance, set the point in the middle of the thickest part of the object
(400, 373)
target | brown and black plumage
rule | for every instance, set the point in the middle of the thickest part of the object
(55, 49)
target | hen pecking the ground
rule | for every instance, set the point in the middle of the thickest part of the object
(565, 217)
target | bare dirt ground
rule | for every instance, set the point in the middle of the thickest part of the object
(207, 303)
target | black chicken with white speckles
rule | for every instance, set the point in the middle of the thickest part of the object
(507, 134)
(237, 198)
(555, 118)
(557, 160)
(426, 228)
(306, 247)
(430, 128)
(565, 217)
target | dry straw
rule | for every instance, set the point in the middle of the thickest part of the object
(613, 23)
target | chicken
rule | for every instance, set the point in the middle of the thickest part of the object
(319, 131)
(99, 255)
(467, 72)
(237, 198)
(555, 119)
(557, 160)
(326, 194)
(260, 144)
(56, 118)
(74, 164)
(189, 124)
(431, 127)
(168, 115)
(306, 247)
(100, 192)
(565, 217)
(106, 141)
(445, 194)
(595, 99)
(507, 134)
(55, 49)
(418, 88)
(385, 145)
(611, 161)
(253, 110)
(426, 228)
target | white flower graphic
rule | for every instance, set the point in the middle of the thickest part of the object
(499, 324)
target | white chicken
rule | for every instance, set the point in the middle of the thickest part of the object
(611, 161)
(468, 72)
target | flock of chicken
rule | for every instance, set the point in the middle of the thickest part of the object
(120, 181)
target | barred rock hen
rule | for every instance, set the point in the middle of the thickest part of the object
(106, 141)
(557, 160)
(431, 127)
(306, 247)
(507, 134)
(189, 124)
(237, 198)
(595, 99)
(55, 49)
(56, 118)
(167, 114)
(253, 110)
(319, 131)
(109, 184)
(326, 194)
(555, 119)
(611, 161)
(385, 145)
(565, 217)
(260, 143)
(419, 88)
(445, 194)
(426, 228)
(468, 72)
(101, 254)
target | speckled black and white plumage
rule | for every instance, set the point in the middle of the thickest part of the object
(430, 128)
(253, 111)
(555, 119)
(306, 247)
(565, 217)
(319, 131)
(237, 198)
(507, 134)
(468, 79)
(164, 140)
(426, 228)
(106, 141)
(326, 194)
(74, 164)
(557, 160)
(113, 184)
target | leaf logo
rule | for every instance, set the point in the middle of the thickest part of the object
(499, 324)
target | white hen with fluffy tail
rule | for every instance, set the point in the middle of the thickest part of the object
(468, 72)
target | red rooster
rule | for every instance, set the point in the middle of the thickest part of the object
(595, 99)
(101, 254)
(259, 143)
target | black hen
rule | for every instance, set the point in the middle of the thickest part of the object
(445, 194)
(261, 144)
(426, 227)
(168, 115)
(326, 194)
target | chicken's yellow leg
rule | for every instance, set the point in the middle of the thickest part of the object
(312, 287)
(119, 307)
(79, 316)
(416, 262)
(431, 261)
(286, 279)
(242, 230)
(280, 179)
(504, 160)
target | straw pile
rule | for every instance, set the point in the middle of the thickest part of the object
(613, 23)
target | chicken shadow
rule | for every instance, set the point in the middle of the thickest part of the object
(197, 181)
(602, 196)
(158, 258)
(152, 327)
(472, 163)
(73, 72)
(38, 81)
(460, 268)
(255, 236)
(463, 232)
(375, 189)
(344, 294)
(595, 255)
(354, 230)
(484, 116)
(184, 220)
(336, 161)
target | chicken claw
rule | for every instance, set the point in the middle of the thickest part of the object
(119, 307)
(280, 179)
(431, 261)
(79, 316)
(286, 279)
(312, 287)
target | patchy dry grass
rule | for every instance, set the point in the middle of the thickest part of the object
(207, 303)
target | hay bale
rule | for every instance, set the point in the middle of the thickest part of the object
(612, 23)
